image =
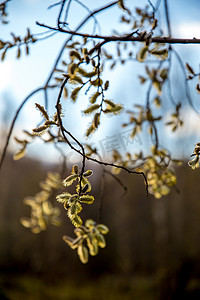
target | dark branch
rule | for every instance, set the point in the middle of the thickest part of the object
(167, 18)
(60, 13)
(125, 38)
(82, 153)
(63, 130)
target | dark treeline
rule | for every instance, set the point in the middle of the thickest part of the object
(155, 237)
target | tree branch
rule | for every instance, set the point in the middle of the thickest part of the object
(125, 38)
(63, 130)
(77, 28)
(167, 18)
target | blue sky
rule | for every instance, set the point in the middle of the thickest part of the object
(19, 77)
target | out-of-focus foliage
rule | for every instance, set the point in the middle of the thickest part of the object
(152, 243)
(43, 212)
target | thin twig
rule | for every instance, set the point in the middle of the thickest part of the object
(60, 13)
(69, 39)
(67, 10)
(125, 38)
(96, 160)
(187, 91)
(15, 118)
(119, 181)
(152, 6)
(169, 81)
(82, 153)
(167, 18)
(64, 130)
(53, 5)
(45, 99)
(88, 10)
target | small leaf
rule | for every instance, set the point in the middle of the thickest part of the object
(142, 54)
(158, 86)
(96, 120)
(85, 184)
(142, 79)
(157, 102)
(49, 123)
(162, 54)
(73, 199)
(90, 130)
(42, 110)
(72, 68)
(74, 94)
(108, 56)
(83, 254)
(96, 82)
(150, 129)
(91, 109)
(76, 221)
(74, 209)
(85, 188)
(74, 54)
(88, 173)
(169, 123)
(86, 199)
(134, 132)
(92, 245)
(79, 231)
(75, 79)
(198, 88)
(174, 128)
(164, 74)
(75, 169)
(194, 163)
(18, 52)
(4, 54)
(39, 130)
(26, 222)
(102, 228)
(101, 241)
(70, 179)
(113, 65)
(62, 198)
(121, 4)
(94, 97)
(110, 103)
(67, 239)
(21, 142)
(65, 92)
(90, 223)
(20, 153)
(117, 109)
(191, 71)
(87, 74)
(106, 85)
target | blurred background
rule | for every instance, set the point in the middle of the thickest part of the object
(153, 247)
(152, 252)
